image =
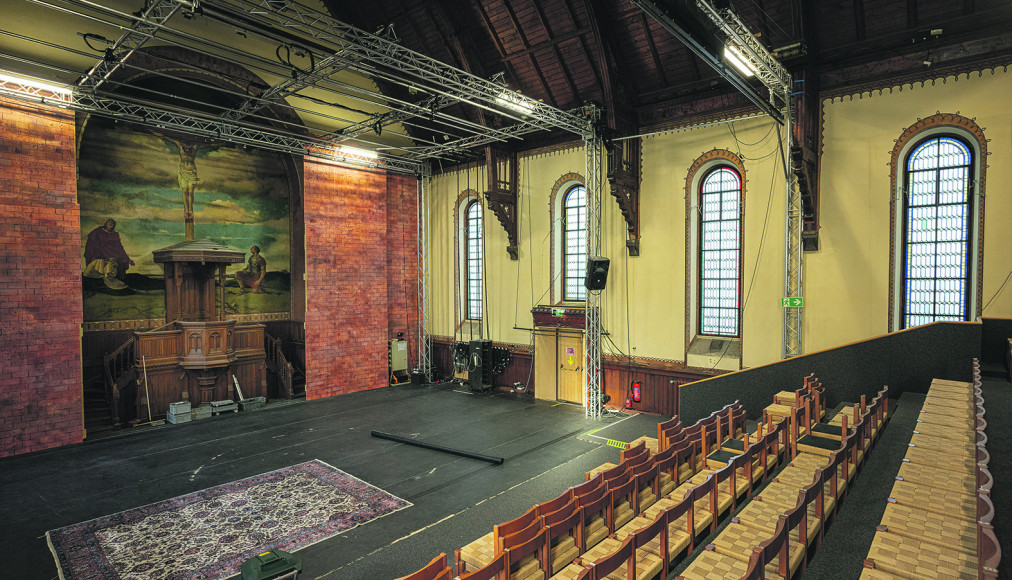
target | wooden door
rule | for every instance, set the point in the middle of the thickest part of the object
(571, 368)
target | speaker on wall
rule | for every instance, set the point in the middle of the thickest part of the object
(597, 272)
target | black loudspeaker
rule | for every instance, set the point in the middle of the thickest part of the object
(597, 272)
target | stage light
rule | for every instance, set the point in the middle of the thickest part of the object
(357, 153)
(515, 102)
(28, 85)
(733, 55)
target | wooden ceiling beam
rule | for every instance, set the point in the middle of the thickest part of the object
(545, 87)
(860, 30)
(645, 27)
(555, 51)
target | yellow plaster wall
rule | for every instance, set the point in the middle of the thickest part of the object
(654, 280)
(847, 280)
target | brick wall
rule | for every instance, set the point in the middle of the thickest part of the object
(402, 261)
(355, 275)
(40, 281)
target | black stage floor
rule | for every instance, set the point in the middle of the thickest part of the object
(456, 500)
(547, 448)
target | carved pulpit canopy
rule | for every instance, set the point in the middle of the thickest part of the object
(203, 251)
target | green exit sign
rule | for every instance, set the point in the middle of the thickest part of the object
(558, 311)
(792, 302)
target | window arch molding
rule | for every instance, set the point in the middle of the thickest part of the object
(967, 131)
(463, 203)
(560, 188)
(703, 166)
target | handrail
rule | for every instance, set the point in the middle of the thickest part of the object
(115, 365)
(276, 359)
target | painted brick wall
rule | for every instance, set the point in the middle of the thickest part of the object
(402, 261)
(40, 281)
(346, 280)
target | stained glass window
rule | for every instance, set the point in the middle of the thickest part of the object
(936, 232)
(720, 252)
(574, 243)
(474, 260)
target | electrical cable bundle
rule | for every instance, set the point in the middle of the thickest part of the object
(461, 350)
(500, 359)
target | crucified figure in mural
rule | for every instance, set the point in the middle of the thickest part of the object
(187, 176)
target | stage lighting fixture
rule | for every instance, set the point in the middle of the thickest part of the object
(733, 55)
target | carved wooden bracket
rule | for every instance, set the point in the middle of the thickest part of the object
(804, 165)
(805, 154)
(624, 181)
(502, 193)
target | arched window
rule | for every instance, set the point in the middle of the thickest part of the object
(574, 243)
(937, 218)
(473, 260)
(720, 252)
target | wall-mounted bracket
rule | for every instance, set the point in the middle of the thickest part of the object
(502, 193)
(624, 182)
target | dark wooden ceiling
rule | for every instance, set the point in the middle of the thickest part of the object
(568, 52)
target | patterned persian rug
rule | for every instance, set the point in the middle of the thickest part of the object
(208, 534)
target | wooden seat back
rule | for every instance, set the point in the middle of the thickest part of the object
(625, 491)
(547, 507)
(536, 545)
(513, 526)
(587, 486)
(724, 480)
(658, 529)
(434, 570)
(814, 495)
(598, 506)
(672, 427)
(515, 539)
(564, 521)
(494, 570)
(669, 436)
(623, 558)
(633, 451)
(773, 549)
(646, 475)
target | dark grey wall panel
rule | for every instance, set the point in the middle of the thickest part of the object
(906, 361)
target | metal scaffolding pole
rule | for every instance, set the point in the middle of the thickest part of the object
(424, 336)
(592, 316)
(793, 253)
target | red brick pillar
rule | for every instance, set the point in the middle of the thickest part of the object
(346, 279)
(40, 280)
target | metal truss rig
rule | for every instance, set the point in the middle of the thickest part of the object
(372, 54)
(592, 322)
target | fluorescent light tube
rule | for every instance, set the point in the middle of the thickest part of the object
(734, 56)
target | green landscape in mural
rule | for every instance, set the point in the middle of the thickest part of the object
(138, 189)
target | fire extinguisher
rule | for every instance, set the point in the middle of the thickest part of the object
(637, 391)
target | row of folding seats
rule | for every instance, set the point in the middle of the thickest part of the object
(773, 535)
(616, 501)
(937, 523)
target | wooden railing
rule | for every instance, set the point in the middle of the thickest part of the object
(277, 363)
(117, 364)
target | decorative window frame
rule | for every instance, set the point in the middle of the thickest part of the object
(697, 171)
(968, 131)
(464, 200)
(558, 196)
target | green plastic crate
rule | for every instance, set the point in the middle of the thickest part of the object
(271, 565)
